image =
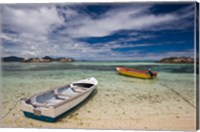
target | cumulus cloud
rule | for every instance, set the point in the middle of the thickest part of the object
(48, 30)
(39, 20)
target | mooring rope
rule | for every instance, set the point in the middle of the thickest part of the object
(172, 90)
(10, 110)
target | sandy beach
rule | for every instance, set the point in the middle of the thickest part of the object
(119, 102)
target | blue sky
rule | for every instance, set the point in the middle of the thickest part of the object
(120, 31)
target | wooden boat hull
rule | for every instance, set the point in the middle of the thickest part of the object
(52, 113)
(135, 73)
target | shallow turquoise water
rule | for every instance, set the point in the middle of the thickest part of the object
(58, 74)
(21, 80)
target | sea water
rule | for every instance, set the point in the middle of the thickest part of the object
(127, 101)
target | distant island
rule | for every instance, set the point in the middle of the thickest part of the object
(177, 60)
(45, 59)
(48, 59)
(12, 59)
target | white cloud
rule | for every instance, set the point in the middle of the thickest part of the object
(30, 46)
(139, 18)
(35, 36)
(28, 53)
(140, 55)
(37, 20)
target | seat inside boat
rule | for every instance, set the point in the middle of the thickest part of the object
(46, 99)
(65, 91)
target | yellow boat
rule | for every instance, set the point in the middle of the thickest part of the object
(136, 73)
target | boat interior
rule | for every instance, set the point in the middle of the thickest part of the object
(83, 85)
(54, 97)
(45, 99)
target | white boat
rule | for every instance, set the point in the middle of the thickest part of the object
(50, 105)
